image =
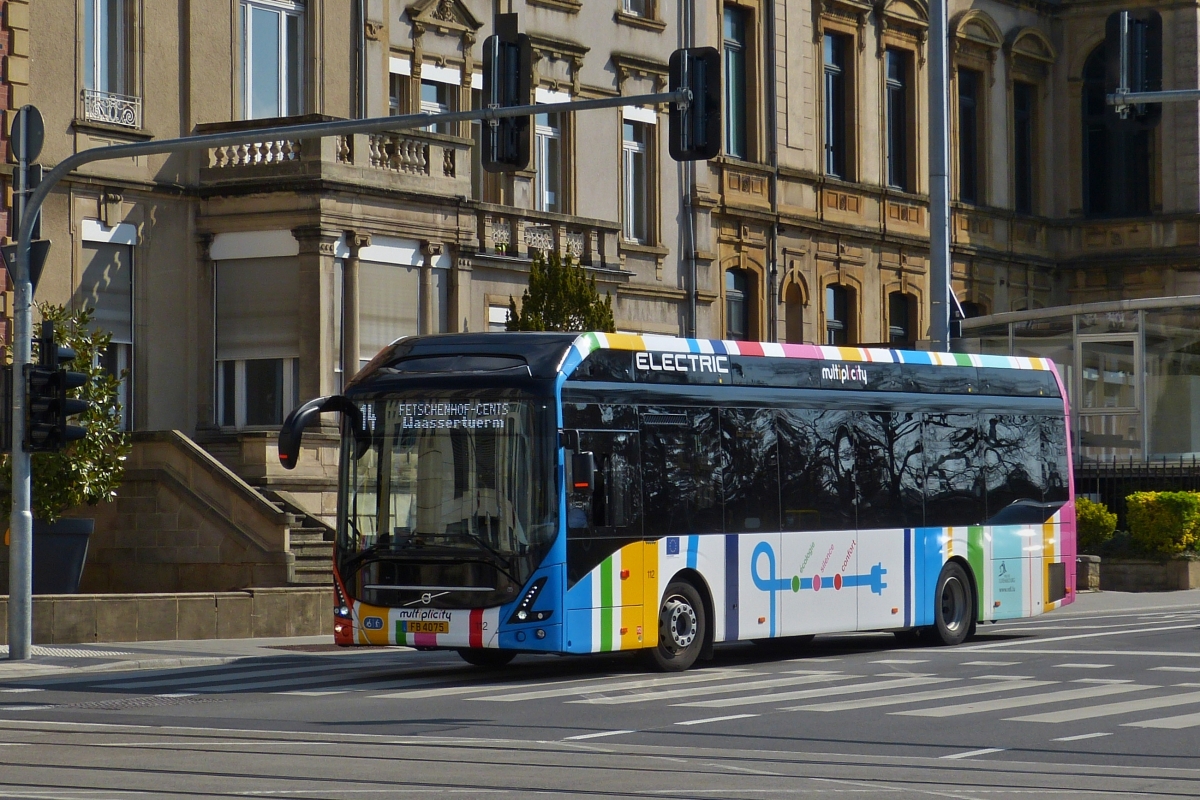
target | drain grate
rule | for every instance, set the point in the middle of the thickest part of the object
(68, 652)
(150, 701)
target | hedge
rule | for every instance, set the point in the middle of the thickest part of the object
(1094, 523)
(1164, 522)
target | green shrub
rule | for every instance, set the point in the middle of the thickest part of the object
(1164, 522)
(1094, 524)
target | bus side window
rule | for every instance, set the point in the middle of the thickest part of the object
(610, 509)
(1012, 463)
(751, 470)
(954, 482)
(1056, 480)
(681, 471)
(816, 469)
(890, 469)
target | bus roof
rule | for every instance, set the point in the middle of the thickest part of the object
(587, 343)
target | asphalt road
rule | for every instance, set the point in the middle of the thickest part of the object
(1102, 700)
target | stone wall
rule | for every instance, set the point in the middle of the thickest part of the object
(1120, 575)
(254, 613)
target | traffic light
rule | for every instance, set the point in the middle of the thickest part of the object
(695, 128)
(1143, 37)
(47, 403)
(507, 81)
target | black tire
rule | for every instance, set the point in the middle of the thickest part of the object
(486, 657)
(682, 628)
(953, 606)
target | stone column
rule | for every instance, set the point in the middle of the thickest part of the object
(350, 306)
(318, 247)
(205, 340)
(430, 250)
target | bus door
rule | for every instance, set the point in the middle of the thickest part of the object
(818, 500)
(604, 543)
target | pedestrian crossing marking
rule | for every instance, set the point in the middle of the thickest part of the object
(901, 661)
(920, 697)
(805, 694)
(991, 663)
(716, 719)
(479, 688)
(1080, 737)
(1175, 669)
(1111, 709)
(692, 691)
(1168, 723)
(972, 753)
(693, 677)
(1026, 700)
(1082, 666)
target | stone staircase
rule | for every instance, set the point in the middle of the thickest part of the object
(310, 540)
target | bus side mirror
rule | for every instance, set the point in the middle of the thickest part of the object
(293, 427)
(583, 472)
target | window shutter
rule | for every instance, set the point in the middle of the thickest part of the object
(257, 308)
(107, 287)
(388, 304)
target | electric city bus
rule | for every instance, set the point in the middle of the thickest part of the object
(582, 493)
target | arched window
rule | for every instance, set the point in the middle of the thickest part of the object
(737, 301)
(902, 318)
(1116, 162)
(839, 315)
(793, 315)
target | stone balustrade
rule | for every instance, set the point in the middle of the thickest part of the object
(423, 161)
(518, 233)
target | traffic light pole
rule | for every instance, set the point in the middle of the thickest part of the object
(20, 601)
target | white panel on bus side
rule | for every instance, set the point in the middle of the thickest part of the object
(883, 588)
(760, 588)
(813, 569)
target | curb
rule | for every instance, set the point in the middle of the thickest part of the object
(51, 670)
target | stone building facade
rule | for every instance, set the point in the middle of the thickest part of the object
(241, 280)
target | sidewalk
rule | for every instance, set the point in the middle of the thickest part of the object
(83, 658)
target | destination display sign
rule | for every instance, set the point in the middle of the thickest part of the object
(451, 415)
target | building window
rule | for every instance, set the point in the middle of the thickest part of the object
(838, 310)
(735, 83)
(105, 49)
(272, 58)
(438, 98)
(257, 392)
(897, 119)
(638, 8)
(1023, 146)
(836, 47)
(902, 315)
(497, 318)
(397, 94)
(548, 161)
(106, 287)
(1116, 163)
(258, 340)
(968, 135)
(737, 305)
(635, 168)
(793, 310)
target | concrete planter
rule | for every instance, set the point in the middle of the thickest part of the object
(1146, 575)
(1087, 573)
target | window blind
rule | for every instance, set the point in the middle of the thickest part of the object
(257, 308)
(107, 287)
(387, 303)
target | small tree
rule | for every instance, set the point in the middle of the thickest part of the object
(89, 470)
(561, 297)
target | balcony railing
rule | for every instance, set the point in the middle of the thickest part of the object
(112, 109)
(518, 233)
(403, 160)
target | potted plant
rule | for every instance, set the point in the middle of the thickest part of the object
(85, 472)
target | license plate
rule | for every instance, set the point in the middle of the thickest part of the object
(413, 626)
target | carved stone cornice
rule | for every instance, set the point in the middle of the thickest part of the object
(628, 66)
(444, 17)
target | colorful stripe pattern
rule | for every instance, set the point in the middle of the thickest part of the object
(587, 343)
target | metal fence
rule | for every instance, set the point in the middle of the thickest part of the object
(1110, 482)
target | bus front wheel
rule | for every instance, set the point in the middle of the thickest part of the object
(682, 627)
(486, 657)
(953, 606)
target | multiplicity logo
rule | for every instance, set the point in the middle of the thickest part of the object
(843, 373)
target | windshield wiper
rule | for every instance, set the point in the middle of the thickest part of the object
(479, 540)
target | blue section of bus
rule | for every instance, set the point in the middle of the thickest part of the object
(731, 587)
(908, 577)
(693, 550)
(718, 347)
(769, 584)
(1007, 541)
(579, 630)
(928, 565)
(526, 638)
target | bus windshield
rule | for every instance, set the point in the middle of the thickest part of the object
(463, 478)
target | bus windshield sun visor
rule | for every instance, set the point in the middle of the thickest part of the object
(293, 427)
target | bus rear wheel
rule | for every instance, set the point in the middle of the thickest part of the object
(953, 606)
(682, 627)
(486, 657)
